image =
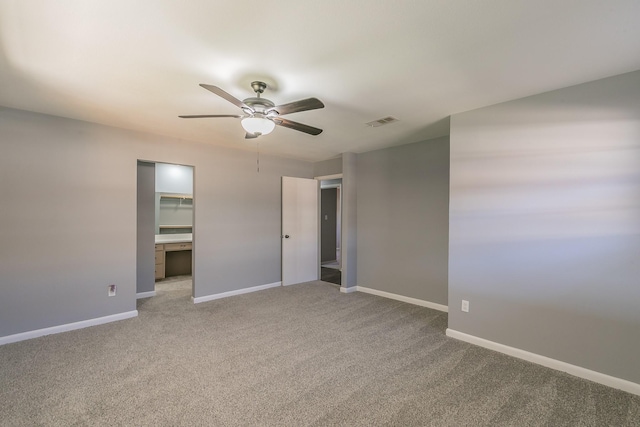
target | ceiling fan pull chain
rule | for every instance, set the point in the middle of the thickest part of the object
(258, 158)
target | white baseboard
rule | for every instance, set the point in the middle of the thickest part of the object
(403, 298)
(236, 292)
(348, 290)
(577, 371)
(145, 294)
(67, 327)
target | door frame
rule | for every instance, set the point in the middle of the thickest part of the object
(339, 215)
(193, 222)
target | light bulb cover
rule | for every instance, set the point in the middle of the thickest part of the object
(258, 125)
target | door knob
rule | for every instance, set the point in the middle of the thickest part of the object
(286, 236)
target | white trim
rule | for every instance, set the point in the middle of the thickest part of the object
(403, 298)
(558, 365)
(145, 294)
(236, 292)
(67, 327)
(348, 290)
(328, 177)
(330, 186)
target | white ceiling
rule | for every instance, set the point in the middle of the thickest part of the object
(136, 64)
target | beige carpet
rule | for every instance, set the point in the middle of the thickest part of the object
(294, 356)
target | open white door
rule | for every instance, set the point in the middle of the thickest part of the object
(299, 230)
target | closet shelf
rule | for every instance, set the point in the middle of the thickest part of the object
(176, 196)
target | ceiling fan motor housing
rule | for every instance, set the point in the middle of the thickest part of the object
(259, 105)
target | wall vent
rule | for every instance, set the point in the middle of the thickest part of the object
(381, 122)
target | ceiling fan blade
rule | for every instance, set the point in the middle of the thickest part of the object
(297, 126)
(297, 106)
(202, 116)
(250, 135)
(221, 93)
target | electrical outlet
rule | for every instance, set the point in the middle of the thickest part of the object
(112, 290)
(465, 306)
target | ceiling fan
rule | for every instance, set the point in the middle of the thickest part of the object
(261, 115)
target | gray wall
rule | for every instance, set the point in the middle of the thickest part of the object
(403, 216)
(328, 167)
(173, 211)
(545, 224)
(69, 240)
(177, 179)
(145, 232)
(349, 240)
(173, 179)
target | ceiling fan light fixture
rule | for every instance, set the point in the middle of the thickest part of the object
(258, 125)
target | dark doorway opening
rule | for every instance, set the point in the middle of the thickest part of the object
(330, 264)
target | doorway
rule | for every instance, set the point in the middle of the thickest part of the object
(165, 229)
(330, 230)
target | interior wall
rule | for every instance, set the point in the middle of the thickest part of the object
(145, 229)
(177, 179)
(173, 179)
(545, 224)
(403, 217)
(349, 226)
(172, 211)
(328, 167)
(72, 217)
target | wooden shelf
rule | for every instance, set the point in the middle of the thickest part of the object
(175, 226)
